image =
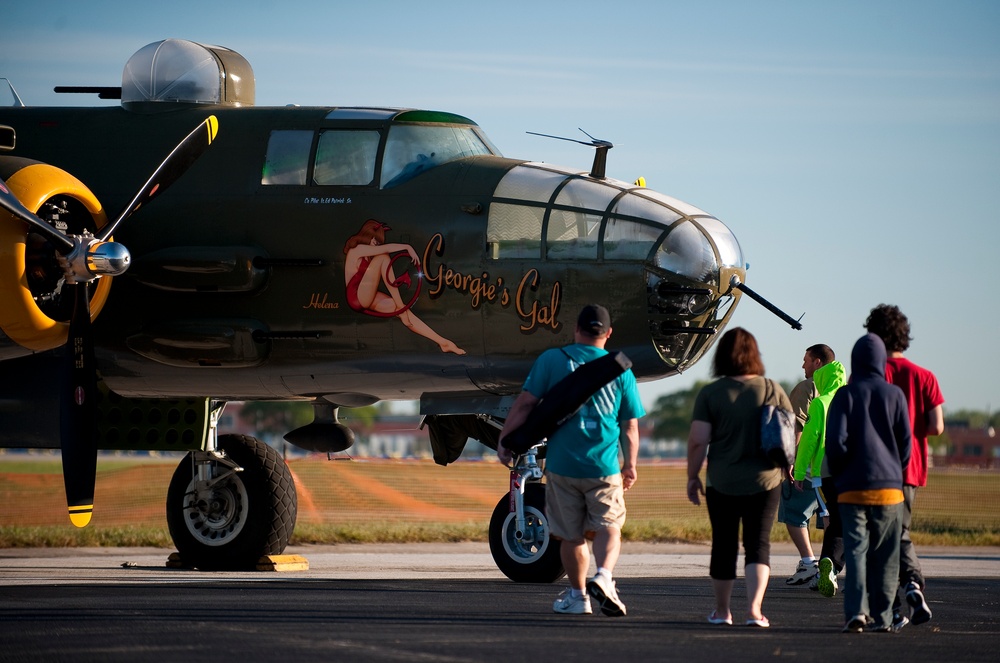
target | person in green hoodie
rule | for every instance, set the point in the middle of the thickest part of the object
(810, 461)
(798, 501)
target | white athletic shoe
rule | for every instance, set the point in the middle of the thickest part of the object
(803, 573)
(568, 604)
(605, 593)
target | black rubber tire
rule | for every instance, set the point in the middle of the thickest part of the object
(536, 562)
(253, 515)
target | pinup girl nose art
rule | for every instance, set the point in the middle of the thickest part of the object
(373, 287)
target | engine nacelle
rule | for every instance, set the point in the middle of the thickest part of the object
(32, 314)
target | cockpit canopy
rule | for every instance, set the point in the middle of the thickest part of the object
(347, 151)
(180, 71)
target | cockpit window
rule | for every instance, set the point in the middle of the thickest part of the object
(413, 148)
(348, 157)
(287, 158)
(345, 158)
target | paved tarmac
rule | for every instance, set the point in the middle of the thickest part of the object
(448, 602)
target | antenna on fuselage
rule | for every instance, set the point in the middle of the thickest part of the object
(600, 158)
(13, 93)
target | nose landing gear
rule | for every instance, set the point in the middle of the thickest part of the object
(520, 541)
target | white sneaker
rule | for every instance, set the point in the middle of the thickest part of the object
(568, 604)
(803, 573)
(604, 592)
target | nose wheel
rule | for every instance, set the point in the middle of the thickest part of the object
(528, 553)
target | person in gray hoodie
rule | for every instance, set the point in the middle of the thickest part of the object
(868, 441)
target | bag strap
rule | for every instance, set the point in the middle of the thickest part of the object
(576, 362)
(770, 396)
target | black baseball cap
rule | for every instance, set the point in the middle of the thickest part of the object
(594, 319)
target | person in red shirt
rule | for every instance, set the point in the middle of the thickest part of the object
(924, 400)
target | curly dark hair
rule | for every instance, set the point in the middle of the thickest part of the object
(737, 354)
(888, 323)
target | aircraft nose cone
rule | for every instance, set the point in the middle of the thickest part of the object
(108, 259)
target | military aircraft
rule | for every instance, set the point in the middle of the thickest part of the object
(340, 255)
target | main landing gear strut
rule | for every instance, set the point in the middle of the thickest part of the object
(231, 504)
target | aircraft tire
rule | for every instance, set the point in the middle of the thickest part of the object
(536, 561)
(252, 513)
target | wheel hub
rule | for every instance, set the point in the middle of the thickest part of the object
(529, 544)
(217, 518)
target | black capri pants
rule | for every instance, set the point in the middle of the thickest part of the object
(757, 512)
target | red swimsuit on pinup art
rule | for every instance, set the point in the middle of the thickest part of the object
(373, 287)
(402, 280)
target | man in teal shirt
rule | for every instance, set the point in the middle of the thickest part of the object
(585, 486)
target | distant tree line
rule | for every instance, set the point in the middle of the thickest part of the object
(671, 414)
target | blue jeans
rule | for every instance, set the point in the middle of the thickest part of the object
(871, 545)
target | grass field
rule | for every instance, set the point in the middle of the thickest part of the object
(415, 500)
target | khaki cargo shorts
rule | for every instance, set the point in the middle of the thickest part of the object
(577, 508)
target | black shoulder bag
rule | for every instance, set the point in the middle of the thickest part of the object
(564, 399)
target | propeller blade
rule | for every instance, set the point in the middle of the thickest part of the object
(175, 165)
(78, 404)
(78, 416)
(10, 203)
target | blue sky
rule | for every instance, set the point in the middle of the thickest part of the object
(852, 147)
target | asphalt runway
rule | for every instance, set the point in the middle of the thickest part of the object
(449, 603)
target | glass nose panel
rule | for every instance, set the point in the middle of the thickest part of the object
(687, 252)
(730, 253)
(629, 240)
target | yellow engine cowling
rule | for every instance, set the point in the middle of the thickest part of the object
(21, 319)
